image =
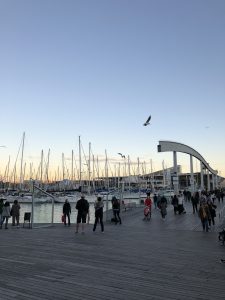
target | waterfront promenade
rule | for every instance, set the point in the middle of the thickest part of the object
(172, 260)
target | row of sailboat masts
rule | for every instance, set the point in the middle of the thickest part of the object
(91, 175)
(121, 169)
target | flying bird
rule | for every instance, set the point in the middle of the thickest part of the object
(147, 121)
(123, 156)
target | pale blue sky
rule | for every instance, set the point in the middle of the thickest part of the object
(99, 68)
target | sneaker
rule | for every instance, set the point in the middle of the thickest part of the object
(222, 261)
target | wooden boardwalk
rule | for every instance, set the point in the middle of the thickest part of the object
(172, 260)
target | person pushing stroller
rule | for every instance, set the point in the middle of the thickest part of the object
(148, 208)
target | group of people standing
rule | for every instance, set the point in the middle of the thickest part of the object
(83, 215)
(6, 212)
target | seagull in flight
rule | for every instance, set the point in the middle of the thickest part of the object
(123, 156)
(147, 121)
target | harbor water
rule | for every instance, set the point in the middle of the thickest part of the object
(43, 211)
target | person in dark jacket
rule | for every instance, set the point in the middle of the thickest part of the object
(15, 212)
(174, 202)
(155, 199)
(212, 210)
(163, 207)
(116, 210)
(82, 207)
(195, 202)
(99, 213)
(66, 211)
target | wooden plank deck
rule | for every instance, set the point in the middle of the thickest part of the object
(170, 259)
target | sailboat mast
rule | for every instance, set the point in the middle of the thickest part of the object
(63, 166)
(89, 169)
(41, 170)
(80, 161)
(72, 168)
(21, 166)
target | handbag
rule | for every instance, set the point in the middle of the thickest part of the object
(63, 218)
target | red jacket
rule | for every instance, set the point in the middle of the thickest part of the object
(148, 202)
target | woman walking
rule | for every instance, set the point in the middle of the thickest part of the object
(99, 213)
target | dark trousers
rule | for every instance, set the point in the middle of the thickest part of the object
(205, 224)
(195, 207)
(211, 221)
(5, 219)
(98, 218)
(68, 216)
(116, 214)
(15, 220)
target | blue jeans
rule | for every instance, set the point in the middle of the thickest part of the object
(205, 225)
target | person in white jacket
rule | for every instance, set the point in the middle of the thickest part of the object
(6, 214)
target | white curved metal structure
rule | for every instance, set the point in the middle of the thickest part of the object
(178, 147)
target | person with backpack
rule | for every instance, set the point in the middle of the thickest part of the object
(82, 207)
(116, 210)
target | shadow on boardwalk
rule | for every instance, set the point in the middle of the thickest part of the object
(136, 260)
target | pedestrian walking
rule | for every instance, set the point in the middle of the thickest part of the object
(174, 202)
(116, 210)
(99, 213)
(15, 213)
(6, 214)
(195, 202)
(212, 210)
(204, 215)
(66, 211)
(155, 199)
(181, 209)
(82, 207)
(163, 207)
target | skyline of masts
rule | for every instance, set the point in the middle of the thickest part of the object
(81, 167)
